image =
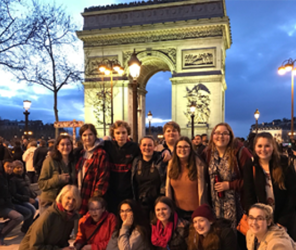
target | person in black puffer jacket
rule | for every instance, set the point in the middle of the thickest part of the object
(7, 209)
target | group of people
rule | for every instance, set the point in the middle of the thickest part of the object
(177, 195)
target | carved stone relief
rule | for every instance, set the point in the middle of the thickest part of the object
(198, 58)
(168, 35)
(200, 96)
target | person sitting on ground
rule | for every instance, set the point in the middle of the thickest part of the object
(132, 230)
(20, 188)
(54, 226)
(7, 209)
(18, 206)
(209, 233)
(96, 227)
(168, 231)
(263, 233)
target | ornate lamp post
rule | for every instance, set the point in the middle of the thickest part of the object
(27, 105)
(256, 115)
(149, 119)
(192, 110)
(108, 67)
(134, 67)
(289, 65)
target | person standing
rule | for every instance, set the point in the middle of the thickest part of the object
(225, 160)
(197, 145)
(148, 176)
(39, 156)
(92, 168)
(57, 171)
(269, 180)
(28, 159)
(186, 184)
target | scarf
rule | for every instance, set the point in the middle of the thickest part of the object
(229, 206)
(161, 236)
(62, 209)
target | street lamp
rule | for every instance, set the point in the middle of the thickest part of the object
(27, 105)
(289, 65)
(192, 110)
(149, 119)
(134, 67)
(257, 115)
(108, 67)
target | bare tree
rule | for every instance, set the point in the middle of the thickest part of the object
(16, 30)
(52, 64)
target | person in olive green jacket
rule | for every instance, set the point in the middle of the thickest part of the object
(58, 170)
(52, 229)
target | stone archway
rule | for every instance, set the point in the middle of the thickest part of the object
(189, 38)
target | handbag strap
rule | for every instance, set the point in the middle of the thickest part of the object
(93, 233)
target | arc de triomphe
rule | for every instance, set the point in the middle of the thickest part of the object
(189, 38)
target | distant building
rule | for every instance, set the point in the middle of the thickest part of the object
(280, 129)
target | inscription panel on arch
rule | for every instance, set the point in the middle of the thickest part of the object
(199, 58)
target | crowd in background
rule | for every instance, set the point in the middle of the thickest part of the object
(180, 194)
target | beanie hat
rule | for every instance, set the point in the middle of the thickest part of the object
(204, 211)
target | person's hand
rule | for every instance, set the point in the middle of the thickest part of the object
(64, 177)
(68, 248)
(128, 221)
(32, 201)
(87, 247)
(222, 186)
(166, 155)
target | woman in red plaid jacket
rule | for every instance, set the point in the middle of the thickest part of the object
(92, 168)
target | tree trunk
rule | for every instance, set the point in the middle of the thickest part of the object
(56, 112)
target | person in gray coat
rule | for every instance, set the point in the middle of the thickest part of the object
(132, 230)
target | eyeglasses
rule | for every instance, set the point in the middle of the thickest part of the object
(222, 134)
(183, 147)
(95, 209)
(257, 219)
(125, 211)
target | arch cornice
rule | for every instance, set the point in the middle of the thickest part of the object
(157, 32)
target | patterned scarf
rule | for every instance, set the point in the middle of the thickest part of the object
(161, 236)
(228, 207)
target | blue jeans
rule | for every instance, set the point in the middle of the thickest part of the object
(15, 219)
(27, 213)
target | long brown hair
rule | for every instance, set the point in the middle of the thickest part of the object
(231, 147)
(277, 171)
(175, 169)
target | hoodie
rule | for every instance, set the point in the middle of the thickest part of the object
(276, 238)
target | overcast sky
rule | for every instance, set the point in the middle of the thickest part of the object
(263, 34)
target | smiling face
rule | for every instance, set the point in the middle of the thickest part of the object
(171, 135)
(120, 135)
(221, 137)
(96, 210)
(88, 138)
(201, 225)
(257, 221)
(162, 212)
(65, 147)
(125, 210)
(8, 168)
(183, 150)
(147, 147)
(263, 148)
(68, 201)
